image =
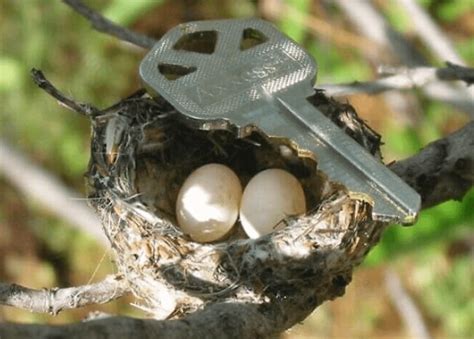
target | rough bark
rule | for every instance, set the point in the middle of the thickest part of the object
(443, 170)
(54, 300)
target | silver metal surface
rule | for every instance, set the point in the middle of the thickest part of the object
(244, 74)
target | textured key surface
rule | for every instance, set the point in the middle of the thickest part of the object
(237, 65)
(241, 74)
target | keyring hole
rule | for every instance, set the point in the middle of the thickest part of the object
(199, 42)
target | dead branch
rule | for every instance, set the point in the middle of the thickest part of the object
(451, 72)
(429, 33)
(405, 78)
(41, 186)
(443, 170)
(73, 105)
(106, 26)
(54, 300)
(367, 19)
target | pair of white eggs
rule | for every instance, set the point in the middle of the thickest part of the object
(211, 200)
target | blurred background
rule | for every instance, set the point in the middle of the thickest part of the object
(429, 264)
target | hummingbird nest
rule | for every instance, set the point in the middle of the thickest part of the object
(141, 153)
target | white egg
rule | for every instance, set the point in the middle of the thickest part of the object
(208, 202)
(269, 197)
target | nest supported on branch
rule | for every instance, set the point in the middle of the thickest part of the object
(141, 153)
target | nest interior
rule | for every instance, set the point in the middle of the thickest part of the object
(141, 153)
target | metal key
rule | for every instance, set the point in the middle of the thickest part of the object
(244, 74)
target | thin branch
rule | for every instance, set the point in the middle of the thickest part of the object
(39, 185)
(365, 17)
(406, 307)
(423, 75)
(54, 300)
(405, 78)
(429, 33)
(78, 107)
(106, 26)
(443, 170)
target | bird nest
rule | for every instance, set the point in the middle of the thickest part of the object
(141, 154)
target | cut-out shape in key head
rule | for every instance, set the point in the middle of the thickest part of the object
(199, 42)
(208, 70)
(251, 37)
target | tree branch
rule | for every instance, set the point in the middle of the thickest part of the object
(106, 26)
(54, 300)
(78, 107)
(212, 322)
(443, 170)
(365, 17)
(405, 78)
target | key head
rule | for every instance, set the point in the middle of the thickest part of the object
(212, 70)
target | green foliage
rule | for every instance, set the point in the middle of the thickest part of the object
(436, 225)
(447, 293)
(125, 12)
(466, 49)
(292, 27)
(334, 66)
(449, 11)
(11, 70)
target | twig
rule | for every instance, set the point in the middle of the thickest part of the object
(443, 170)
(430, 33)
(405, 306)
(82, 108)
(54, 300)
(372, 24)
(48, 191)
(106, 26)
(404, 78)
(450, 72)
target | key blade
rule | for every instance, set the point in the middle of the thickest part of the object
(345, 161)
